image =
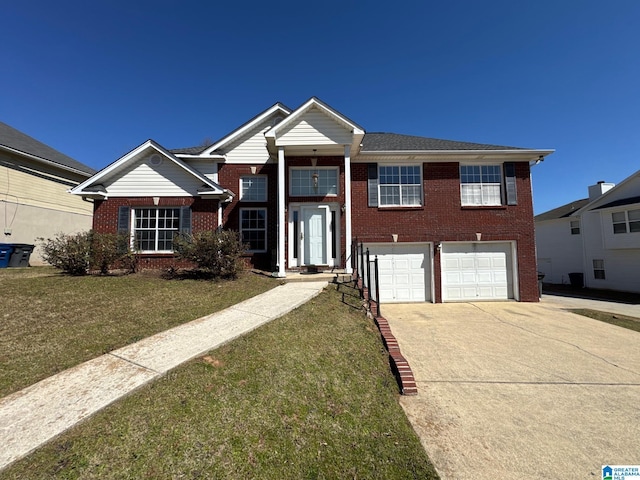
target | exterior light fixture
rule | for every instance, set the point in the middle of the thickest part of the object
(314, 177)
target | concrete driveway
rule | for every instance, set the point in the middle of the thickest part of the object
(519, 390)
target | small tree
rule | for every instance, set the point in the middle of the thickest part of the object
(218, 253)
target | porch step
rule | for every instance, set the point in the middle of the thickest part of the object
(328, 275)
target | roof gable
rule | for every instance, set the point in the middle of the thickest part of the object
(627, 189)
(146, 160)
(21, 143)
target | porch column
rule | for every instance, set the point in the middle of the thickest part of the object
(281, 216)
(347, 206)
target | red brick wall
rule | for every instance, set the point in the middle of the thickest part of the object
(204, 216)
(442, 218)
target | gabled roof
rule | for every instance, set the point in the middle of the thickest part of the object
(392, 142)
(564, 211)
(93, 186)
(314, 102)
(599, 202)
(277, 107)
(17, 142)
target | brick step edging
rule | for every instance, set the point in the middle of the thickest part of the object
(401, 367)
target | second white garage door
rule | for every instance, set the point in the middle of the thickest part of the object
(404, 272)
(476, 271)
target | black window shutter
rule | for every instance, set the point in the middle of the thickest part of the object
(124, 224)
(510, 183)
(185, 220)
(372, 180)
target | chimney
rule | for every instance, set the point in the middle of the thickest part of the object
(598, 189)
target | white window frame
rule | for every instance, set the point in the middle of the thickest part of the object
(627, 222)
(254, 229)
(400, 185)
(481, 187)
(598, 266)
(575, 227)
(312, 170)
(135, 216)
(262, 178)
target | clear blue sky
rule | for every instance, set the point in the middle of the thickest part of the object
(96, 79)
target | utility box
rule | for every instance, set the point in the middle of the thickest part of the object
(21, 254)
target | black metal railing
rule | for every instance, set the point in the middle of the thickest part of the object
(367, 276)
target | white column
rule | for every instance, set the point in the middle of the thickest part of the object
(347, 205)
(281, 216)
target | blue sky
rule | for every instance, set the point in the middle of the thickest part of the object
(96, 79)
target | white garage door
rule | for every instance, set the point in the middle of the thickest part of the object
(404, 272)
(476, 271)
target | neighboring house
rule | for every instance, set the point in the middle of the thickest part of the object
(598, 238)
(34, 181)
(449, 221)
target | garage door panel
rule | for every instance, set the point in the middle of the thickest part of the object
(476, 271)
(403, 271)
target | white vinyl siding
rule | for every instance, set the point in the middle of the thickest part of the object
(164, 180)
(481, 185)
(315, 128)
(250, 147)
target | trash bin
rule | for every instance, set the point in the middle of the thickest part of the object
(21, 254)
(6, 249)
(576, 279)
(540, 277)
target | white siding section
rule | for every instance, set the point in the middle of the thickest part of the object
(250, 148)
(206, 167)
(559, 253)
(315, 128)
(143, 180)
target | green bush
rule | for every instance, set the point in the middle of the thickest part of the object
(217, 254)
(77, 254)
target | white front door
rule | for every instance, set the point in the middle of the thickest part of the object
(315, 235)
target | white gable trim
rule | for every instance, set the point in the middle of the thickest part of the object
(602, 198)
(246, 127)
(314, 102)
(85, 189)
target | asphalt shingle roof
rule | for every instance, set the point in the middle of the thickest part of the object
(563, 211)
(381, 142)
(620, 203)
(189, 150)
(15, 139)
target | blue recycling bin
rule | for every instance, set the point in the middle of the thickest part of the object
(6, 249)
(21, 254)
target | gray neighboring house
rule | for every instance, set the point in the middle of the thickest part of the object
(34, 181)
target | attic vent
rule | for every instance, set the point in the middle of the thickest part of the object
(155, 159)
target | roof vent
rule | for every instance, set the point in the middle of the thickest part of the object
(155, 159)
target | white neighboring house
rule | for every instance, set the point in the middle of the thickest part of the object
(598, 237)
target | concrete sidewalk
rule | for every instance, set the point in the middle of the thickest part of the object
(38, 413)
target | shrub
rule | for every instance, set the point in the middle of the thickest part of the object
(78, 253)
(69, 253)
(218, 254)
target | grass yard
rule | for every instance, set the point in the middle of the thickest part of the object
(50, 322)
(624, 321)
(309, 395)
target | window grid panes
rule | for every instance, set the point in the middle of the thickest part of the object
(481, 184)
(626, 222)
(598, 269)
(575, 227)
(302, 182)
(253, 189)
(253, 229)
(154, 228)
(400, 185)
